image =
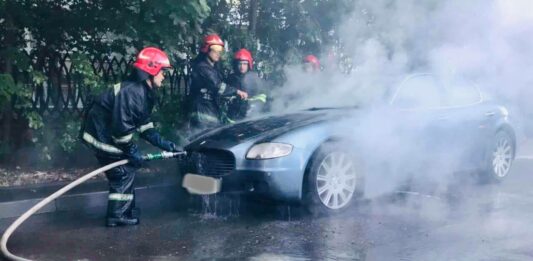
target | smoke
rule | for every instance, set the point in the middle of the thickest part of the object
(488, 43)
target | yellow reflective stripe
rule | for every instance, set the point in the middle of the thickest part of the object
(206, 117)
(116, 88)
(120, 197)
(259, 97)
(222, 88)
(226, 119)
(100, 145)
(145, 127)
(123, 139)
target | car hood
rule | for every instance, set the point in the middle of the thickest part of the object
(264, 128)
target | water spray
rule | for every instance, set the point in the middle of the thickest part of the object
(44, 202)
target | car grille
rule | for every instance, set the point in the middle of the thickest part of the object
(210, 162)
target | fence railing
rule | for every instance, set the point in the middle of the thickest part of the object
(63, 90)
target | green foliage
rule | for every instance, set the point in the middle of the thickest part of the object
(104, 26)
(56, 139)
(35, 121)
(82, 69)
(278, 32)
(17, 94)
(285, 30)
(69, 138)
(8, 88)
(169, 117)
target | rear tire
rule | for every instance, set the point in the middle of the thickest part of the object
(334, 180)
(500, 158)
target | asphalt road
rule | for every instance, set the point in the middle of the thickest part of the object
(462, 221)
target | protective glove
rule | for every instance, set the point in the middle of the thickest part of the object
(242, 94)
(152, 136)
(170, 146)
(136, 160)
(132, 153)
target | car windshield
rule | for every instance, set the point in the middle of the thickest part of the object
(413, 91)
(358, 96)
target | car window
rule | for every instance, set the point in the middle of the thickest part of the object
(419, 92)
(462, 93)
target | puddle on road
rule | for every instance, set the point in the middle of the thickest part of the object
(215, 206)
(223, 206)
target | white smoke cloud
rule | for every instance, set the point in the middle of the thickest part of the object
(488, 42)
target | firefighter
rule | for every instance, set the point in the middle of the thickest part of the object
(112, 119)
(311, 64)
(207, 85)
(246, 80)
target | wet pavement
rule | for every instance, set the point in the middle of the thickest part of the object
(461, 222)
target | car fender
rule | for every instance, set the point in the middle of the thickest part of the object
(308, 140)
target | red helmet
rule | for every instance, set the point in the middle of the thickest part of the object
(152, 60)
(211, 39)
(244, 55)
(313, 60)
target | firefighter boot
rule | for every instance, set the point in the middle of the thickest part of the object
(121, 213)
(122, 221)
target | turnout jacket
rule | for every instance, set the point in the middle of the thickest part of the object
(207, 86)
(251, 83)
(114, 116)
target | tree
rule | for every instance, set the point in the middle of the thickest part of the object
(33, 34)
(278, 32)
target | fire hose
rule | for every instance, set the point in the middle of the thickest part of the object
(44, 202)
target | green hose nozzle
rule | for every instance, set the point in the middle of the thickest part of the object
(163, 155)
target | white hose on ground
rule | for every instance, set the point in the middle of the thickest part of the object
(43, 203)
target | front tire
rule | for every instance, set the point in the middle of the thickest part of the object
(500, 158)
(335, 180)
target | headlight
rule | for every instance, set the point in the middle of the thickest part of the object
(269, 151)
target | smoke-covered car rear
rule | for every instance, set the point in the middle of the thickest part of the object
(329, 157)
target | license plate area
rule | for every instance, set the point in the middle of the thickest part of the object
(201, 185)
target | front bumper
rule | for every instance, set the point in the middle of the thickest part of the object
(275, 185)
(278, 179)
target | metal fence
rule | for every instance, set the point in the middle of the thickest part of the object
(64, 91)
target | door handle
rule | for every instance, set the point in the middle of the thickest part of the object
(490, 113)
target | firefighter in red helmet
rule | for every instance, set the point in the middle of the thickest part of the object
(208, 85)
(245, 79)
(112, 119)
(311, 63)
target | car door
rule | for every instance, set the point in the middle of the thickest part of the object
(470, 121)
(421, 118)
